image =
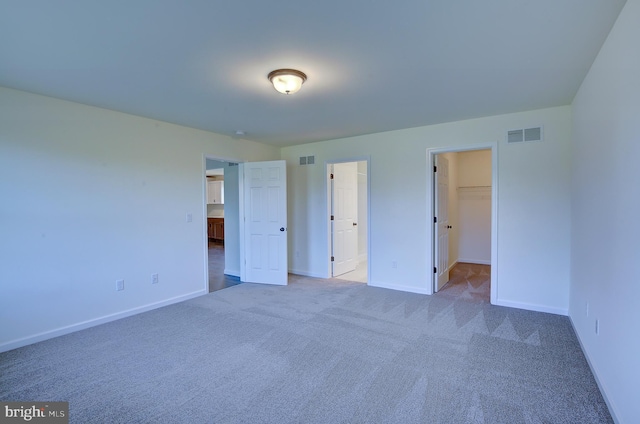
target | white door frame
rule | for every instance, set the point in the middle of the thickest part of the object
(327, 180)
(431, 157)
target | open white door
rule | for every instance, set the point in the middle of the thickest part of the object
(264, 227)
(442, 221)
(345, 215)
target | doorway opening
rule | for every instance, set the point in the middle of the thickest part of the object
(221, 205)
(348, 218)
(463, 205)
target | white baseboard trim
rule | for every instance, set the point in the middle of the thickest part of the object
(594, 371)
(14, 344)
(307, 273)
(532, 307)
(410, 289)
(232, 272)
(476, 261)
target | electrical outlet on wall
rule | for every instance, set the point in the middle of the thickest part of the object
(119, 285)
(154, 278)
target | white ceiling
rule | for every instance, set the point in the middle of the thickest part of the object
(372, 65)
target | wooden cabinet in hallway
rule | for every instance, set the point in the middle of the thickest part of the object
(215, 229)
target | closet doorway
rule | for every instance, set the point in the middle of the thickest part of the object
(464, 216)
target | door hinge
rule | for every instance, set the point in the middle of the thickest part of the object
(332, 259)
(331, 176)
(435, 168)
(332, 217)
(435, 219)
(435, 270)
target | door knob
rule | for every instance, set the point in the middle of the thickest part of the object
(355, 223)
(281, 228)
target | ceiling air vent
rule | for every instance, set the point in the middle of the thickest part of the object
(525, 134)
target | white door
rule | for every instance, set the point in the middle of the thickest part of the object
(442, 224)
(345, 217)
(264, 228)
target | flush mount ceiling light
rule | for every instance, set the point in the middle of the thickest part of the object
(287, 81)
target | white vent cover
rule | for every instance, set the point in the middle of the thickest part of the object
(525, 134)
(307, 160)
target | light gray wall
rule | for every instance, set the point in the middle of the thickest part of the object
(605, 210)
(91, 196)
(533, 188)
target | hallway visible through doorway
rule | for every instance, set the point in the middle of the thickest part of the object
(218, 280)
(358, 275)
(348, 217)
(221, 225)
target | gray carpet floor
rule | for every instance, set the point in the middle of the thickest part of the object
(316, 351)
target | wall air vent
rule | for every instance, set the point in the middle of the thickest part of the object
(515, 136)
(524, 135)
(307, 160)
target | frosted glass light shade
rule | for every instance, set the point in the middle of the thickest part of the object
(287, 81)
